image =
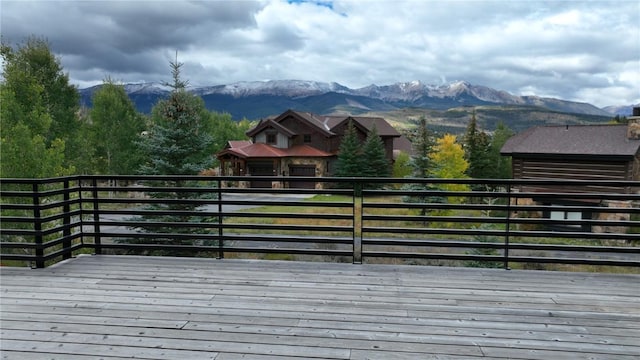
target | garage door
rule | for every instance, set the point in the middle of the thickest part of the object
(261, 169)
(302, 170)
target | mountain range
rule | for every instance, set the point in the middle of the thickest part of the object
(259, 99)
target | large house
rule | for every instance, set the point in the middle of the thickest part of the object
(299, 144)
(577, 152)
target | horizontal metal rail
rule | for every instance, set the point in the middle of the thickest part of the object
(484, 222)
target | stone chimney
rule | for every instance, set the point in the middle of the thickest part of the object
(633, 129)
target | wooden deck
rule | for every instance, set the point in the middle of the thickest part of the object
(112, 307)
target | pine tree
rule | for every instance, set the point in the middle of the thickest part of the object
(476, 151)
(177, 144)
(349, 161)
(422, 145)
(375, 163)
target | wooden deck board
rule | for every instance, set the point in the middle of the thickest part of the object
(115, 307)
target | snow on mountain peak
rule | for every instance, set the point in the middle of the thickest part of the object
(146, 87)
(411, 85)
(295, 88)
(411, 93)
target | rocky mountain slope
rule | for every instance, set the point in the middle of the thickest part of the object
(259, 99)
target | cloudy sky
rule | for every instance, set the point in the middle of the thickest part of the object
(575, 50)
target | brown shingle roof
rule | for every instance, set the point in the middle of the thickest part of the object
(260, 150)
(305, 151)
(312, 119)
(327, 123)
(382, 126)
(403, 144)
(270, 123)
(597, 140)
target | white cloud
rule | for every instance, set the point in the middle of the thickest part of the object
(586, 51)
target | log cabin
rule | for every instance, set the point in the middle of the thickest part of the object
(578, 152)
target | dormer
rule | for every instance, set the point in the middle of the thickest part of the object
(271, 133)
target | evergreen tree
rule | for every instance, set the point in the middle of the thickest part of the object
(375, 163)
(176, 144)
(374, 159)
(484, 238)
(116, 128)
(423, 143)
(349, 163)
(476, 151)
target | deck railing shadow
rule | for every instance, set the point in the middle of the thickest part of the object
(468, 222)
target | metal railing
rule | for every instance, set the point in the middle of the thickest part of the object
(469, 222)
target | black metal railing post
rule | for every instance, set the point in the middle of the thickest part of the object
(97, 241)
(81, 214)
(37, 226)
(66, 221)
(357, 201)
(220, 220)
(507, 228)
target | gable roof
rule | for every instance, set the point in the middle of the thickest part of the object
(382, 126)
(576, 140)
(365, 123)
(326, 124)
(260, 150)
(269, 123)
(309, 118)
(316, 121)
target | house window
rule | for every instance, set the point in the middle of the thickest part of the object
(566, 215)
(307, 138)
(559, 216)
(271, 138)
